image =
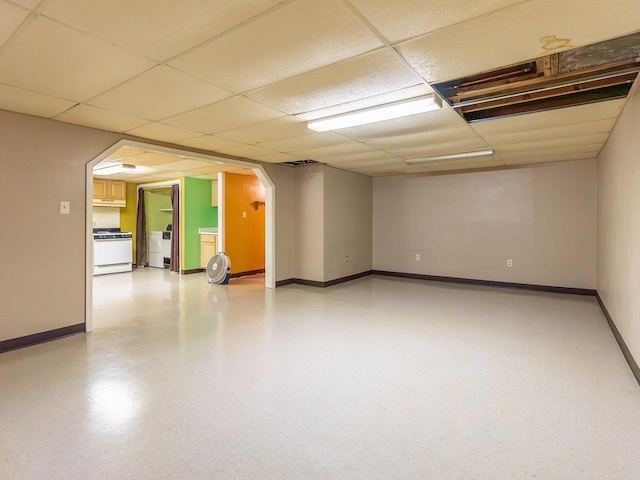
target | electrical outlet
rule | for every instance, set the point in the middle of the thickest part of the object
(244, 214)
(509, 263)
(347, 258)
(417, 257)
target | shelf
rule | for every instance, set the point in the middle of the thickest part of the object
(166, 209)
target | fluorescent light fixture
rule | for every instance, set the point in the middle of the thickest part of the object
(114, 169)
(481, 153)
(388, 111)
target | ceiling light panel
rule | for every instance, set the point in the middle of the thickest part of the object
(162, 132)
(552, 118)
(368, 75)
(450, 156)
(158, 93)
(11, 17)
(495, 44)
(228, 114)
(23, 101)
(310, 34)
(58, 56)
(436, 119)
(390, 17)
(100, 118)
(276, 129)
(159, 30)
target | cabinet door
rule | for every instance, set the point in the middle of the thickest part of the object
(207, 250)
(100, 188)
(117, 190)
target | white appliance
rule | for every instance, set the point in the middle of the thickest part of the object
(156, 256)
(112, 252)
(166, 248)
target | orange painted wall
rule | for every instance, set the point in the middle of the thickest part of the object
(244, 236)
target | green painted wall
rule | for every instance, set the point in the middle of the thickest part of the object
(198, 213)
(153, 202)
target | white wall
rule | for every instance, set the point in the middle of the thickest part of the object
(348, 218)
(309, 223)
(542, 217)
(619, 225)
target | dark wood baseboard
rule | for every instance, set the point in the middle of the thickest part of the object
(623, 346)
(42, 337)
(193, 270)
(315, 283)
(489, 283)
(248, 272)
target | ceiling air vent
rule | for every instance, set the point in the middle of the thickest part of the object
(602, 71)
(301, 163)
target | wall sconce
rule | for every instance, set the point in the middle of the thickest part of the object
(257, 205)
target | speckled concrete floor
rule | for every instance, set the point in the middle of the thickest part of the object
(378, 378)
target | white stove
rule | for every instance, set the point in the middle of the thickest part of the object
(112, 251)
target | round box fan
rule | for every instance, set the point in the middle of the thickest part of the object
(219, 269)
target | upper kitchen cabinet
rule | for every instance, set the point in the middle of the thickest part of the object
(109, 193)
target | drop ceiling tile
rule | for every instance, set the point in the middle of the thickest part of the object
(335, 150)
(276, 129)
(146, 159)
(305, 142)
(510, 156)
(296, 38)
(443, 148)
(423, 138)
(31, 103)
(553, 158)
(11, 17)
(158, 93)
(248, 151)
(66, 63)
(278, 158)
(184, 165)
(593, 139)
(162, 132)
(125, 152)
(516, 34)
(213, 168)
(552, 118)
(383, 162)
(346, 158)
(158, 30)
(228, 114)
(210, 142)
(99, 118)
(368, 75)
(434, 120)
(30, 4)
(391, 18)
(561, 131)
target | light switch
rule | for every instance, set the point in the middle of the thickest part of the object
(65, 207)
(244, 214)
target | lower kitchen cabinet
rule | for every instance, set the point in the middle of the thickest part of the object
(208, 248)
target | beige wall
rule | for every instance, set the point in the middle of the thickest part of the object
(348, 218)
(619, 225)
(42, 255)
(542, 217)
(309, 223)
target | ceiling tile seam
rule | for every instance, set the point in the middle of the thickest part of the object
(404, 60)
(25, 23)
(148, 122)
(40, 93)
(387, 45)
(598, 145)
(237, 26)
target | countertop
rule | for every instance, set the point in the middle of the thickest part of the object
(208, 231)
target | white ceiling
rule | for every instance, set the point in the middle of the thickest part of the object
(240, 77)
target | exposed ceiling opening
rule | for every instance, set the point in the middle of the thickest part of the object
(593, 73)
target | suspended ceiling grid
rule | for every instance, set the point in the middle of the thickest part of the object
(242, 77)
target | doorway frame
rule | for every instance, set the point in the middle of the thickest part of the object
(258, 170)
